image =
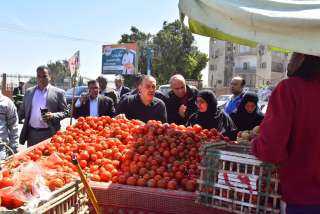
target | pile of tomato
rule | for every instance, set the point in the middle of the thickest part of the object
(127, 152)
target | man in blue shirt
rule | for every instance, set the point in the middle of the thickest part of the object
(236, 86)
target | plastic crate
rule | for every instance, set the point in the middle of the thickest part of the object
(234, 181)
(71, 198)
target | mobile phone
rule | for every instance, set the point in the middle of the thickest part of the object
(43, 111)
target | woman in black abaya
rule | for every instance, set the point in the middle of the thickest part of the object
(209, 116)
(248, 114)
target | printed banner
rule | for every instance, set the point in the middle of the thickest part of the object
(119, 59)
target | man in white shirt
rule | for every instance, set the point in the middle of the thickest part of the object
(120, 88)
(43, 107)
(93, 104)
(128, 62)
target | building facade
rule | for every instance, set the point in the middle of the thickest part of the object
(258, 66)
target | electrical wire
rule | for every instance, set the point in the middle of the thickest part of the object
(15, 29)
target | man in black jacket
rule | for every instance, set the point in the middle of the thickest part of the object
(105, 91)
(93, 104)
(120, 88)
(138, 81)
(181, 102)
(144, 105)
(19, 89)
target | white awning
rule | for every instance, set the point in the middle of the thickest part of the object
(285, 24)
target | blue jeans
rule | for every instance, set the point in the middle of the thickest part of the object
(303, 209)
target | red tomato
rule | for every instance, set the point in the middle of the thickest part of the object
(84, 155)
(131, 181)
(105, 176)
(83, 163)
(6, 182)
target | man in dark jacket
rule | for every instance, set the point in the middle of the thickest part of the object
(94, 104)
(144, 105)
(105, 91)
(19, 89)
(138, 81)
(120, 88)
(181, 102)
(43, 107)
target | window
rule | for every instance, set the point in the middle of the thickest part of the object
(216, 53)
(263, 65)
(244, 49)
(213, 67)
(245, 65)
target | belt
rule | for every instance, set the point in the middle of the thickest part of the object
(39, 129)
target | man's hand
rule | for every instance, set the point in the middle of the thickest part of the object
(182, 111)
(121, 116)
(84, 98)
(47, 117)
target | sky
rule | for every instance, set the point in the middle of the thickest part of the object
(35, 32)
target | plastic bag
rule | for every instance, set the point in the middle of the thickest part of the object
(34, 182)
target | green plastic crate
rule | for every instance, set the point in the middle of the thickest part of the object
(233, 180)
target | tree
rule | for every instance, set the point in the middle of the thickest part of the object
(32, 81)
(195, 63)
(59, 71)
(175, 53)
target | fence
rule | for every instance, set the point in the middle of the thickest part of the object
(10, 81)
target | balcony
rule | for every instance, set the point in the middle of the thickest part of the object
(247, 52)
(245, 70)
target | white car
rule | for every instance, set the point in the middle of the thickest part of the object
(164, 88)
(223, 99)
(263, 107)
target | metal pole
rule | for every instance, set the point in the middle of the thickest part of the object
(87, 188)
(149, 59)
(74, 83)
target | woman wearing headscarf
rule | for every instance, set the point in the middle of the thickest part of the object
(248, 114)
(209, 116)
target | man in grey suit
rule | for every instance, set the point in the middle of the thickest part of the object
(43, 107)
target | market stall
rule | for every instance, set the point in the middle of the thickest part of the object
(131, 166)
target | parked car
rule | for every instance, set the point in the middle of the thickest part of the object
(78, 91)
(263, 106)
(223, 99)
(164, 88)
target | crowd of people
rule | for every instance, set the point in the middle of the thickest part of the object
(44, 106)
(182, 105)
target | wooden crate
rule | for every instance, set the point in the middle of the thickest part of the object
(234, 181)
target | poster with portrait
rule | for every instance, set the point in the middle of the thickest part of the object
(119, 59)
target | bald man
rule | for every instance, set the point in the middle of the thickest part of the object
(236, 87)
(144, 105)
(181, 100)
